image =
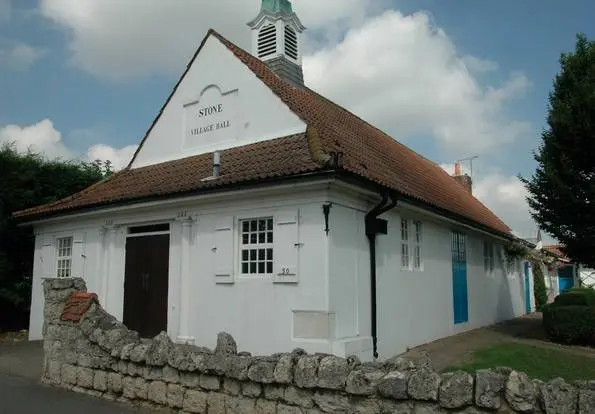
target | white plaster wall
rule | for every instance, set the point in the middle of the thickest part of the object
(256, 114)
(257, 312)
(414, 307)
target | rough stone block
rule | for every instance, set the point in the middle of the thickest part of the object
(128, 387)
(69, 374)
(423, 385)
(175, 396)
(266, 407)
(100, 381)
(160, 348)
(157, 392)
(171, 375)
(333, 372)
(274, 392)
(251, 389)
(393, 385)
(141, 388)
(364, 406)
(216, 403)
(239, 405)
(586, 401)
(114, 382)
(134, 370)
(237, 367)
(394, 407)
(231, 386)
(262, 370)
(152, 373)
(195, 402)
(456, 390)
(489, 385)
(54, 372)
(283, 373)
(139, 353)
(288, 409)
(298, 396)
(306, 369)
(190, 380)
(559, 397)
(331, 402)
(210, 383)
(363, 381)
(521, 393)
(425, 408)
(84, 377)
(226, 344)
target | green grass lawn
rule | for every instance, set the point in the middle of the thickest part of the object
(537, 362)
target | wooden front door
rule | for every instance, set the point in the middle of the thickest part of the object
(459, 278)
(146, 284)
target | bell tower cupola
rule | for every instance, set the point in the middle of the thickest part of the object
(276, 33)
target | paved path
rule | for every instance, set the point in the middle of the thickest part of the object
(22, 396)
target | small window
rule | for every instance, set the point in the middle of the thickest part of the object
(256, 241)
(488, 257)
(64, 257)
(411, 244)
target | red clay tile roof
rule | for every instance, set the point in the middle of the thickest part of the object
(366, 151)
(556, 250)
(78, 304)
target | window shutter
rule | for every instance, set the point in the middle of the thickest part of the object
(286, 247)
(78, 255)
(223, 250)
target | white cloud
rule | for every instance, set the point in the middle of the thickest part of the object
(405, 76)
(119, 157)
(115, 39)
(19, 56)
(5, 10)
(43, 138)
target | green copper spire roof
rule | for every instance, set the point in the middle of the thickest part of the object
(276, 6)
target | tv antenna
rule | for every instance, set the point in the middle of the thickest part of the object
(470, 159)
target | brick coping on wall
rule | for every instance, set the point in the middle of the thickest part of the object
(90, 351)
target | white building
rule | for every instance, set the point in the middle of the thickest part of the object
(258, 207)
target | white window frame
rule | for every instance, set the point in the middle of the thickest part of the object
(268, 246)
(488, 257)
(64, 246)
(411, 245)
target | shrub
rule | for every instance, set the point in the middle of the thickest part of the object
(539, 289)
(576, 296)
(569, 324)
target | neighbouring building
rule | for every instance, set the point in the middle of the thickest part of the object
(256, 206)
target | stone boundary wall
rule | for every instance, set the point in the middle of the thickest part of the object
(97, 355)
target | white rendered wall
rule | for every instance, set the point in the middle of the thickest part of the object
(216, 77)
(414, 307)
(257, 312)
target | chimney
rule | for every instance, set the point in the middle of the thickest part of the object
(463, 179)
(216, 164)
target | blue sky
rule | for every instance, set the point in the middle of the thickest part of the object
(57, 66)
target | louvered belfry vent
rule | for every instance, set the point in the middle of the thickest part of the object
(267, 41)
(291, 43)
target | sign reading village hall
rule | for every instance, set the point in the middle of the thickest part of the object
(208, 113)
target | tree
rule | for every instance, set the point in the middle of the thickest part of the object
(562, 189)
(539, 288)
(28, 180)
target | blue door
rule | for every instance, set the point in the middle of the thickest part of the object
(565, 278)
(459, 278)
(527, 289)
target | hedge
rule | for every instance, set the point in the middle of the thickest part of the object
(569, 324)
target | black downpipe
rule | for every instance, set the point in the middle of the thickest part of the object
(371, 232)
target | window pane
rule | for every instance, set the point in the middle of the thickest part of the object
(253, 254)
(245, 268)
(253, 239)
(269, 254)
(261, 267)
(245, 255)
(269, 267)
(253, 225)
(404, 230)
(262, 225)
(270, 224)
(270, 237)
(261, 237)
(246, 226)
(253, 268)
(261, 254)
(404, 255)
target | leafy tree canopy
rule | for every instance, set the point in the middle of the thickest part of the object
(562, 189)
(28, 180)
